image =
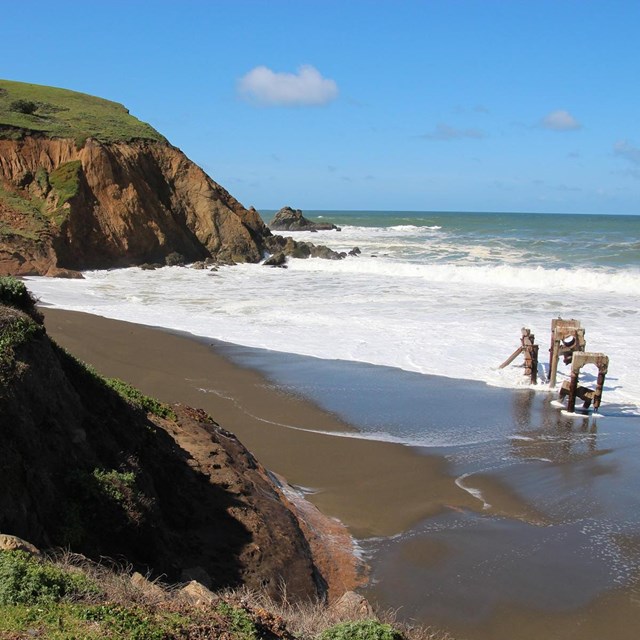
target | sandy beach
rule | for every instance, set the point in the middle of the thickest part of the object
(355, 480)
(456, 537)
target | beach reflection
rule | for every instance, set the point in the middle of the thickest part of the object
(556, 438)
(558, 541)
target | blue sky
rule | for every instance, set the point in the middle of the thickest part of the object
(407, 105)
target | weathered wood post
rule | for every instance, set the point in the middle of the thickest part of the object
(530, 355)
(573, 388)
(530, 351)
(534, 363)
(580, 359)
(567, 336)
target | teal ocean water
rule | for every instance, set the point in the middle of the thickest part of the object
(536, 239)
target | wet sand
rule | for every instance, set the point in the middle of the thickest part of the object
(357, 481)
(509, 521)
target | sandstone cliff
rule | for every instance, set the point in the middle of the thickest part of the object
(114, 204)
(95, 466)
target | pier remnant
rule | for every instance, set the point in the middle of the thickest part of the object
(567, 338)
(530, 350)
(571, 387)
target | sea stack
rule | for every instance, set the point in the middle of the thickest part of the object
(288, 219)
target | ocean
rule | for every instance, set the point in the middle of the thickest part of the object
(438, 293)
(404, 343)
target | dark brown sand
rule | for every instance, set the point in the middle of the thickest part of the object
(375, 488)
(358, 481)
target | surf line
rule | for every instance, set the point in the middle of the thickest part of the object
(476, 493)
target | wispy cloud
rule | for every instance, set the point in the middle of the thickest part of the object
(447, 132)
(307, 87)
(560, 120)
(624, 149)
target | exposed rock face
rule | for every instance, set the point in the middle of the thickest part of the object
(81, 467)
(114, 204)
(288, 219)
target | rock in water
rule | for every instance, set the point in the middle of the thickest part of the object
(288, 219)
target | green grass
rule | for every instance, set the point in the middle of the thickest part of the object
(361, 630)
(238, 621)
(138, 399)
(60, 113)
(65, 179)
(25, 579)
(14, 293)
(13, 333)
(72, 621)
(34, 220)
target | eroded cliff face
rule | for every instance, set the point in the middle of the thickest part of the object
(117, 204)
(177, 495)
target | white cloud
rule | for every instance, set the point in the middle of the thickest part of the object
(560, 121)
(626, 150)
(446, 132)
(306, 87)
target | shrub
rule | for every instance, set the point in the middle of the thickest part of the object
(361, 630)
(27, 107)
(14, 293)
(127, 622)
(15, 333)
(102, 498)
(239, 621)
(138, 399)
(26, 580)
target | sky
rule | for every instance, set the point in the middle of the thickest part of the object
(466, 105)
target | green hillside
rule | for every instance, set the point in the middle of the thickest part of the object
(60, 113)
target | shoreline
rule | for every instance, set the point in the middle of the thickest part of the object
(423, 515)
(355, 480)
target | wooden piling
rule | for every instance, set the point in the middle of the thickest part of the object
(567, 337)
(580, 359)
(530, 350)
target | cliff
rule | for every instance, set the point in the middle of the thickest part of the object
(85, 185)
(93, 465)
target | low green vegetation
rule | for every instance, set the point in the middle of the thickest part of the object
(26, 580)
(14, 333)
(14, 293)
(15, 328)
(33, 222)
(239, 621)
(65, 180)
(102, 498)
(60, 113)
(361, 630)
(138, 399)
(70, 598)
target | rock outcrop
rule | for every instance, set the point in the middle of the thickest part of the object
(163, 487)
(85, 185)
(288, 219)
(113, 205)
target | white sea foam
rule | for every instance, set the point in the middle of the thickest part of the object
(431, 301)
(476, 493)
(458, 322)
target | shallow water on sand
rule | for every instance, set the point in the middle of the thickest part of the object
(556, 535)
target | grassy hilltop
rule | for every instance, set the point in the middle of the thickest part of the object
(59, 113)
